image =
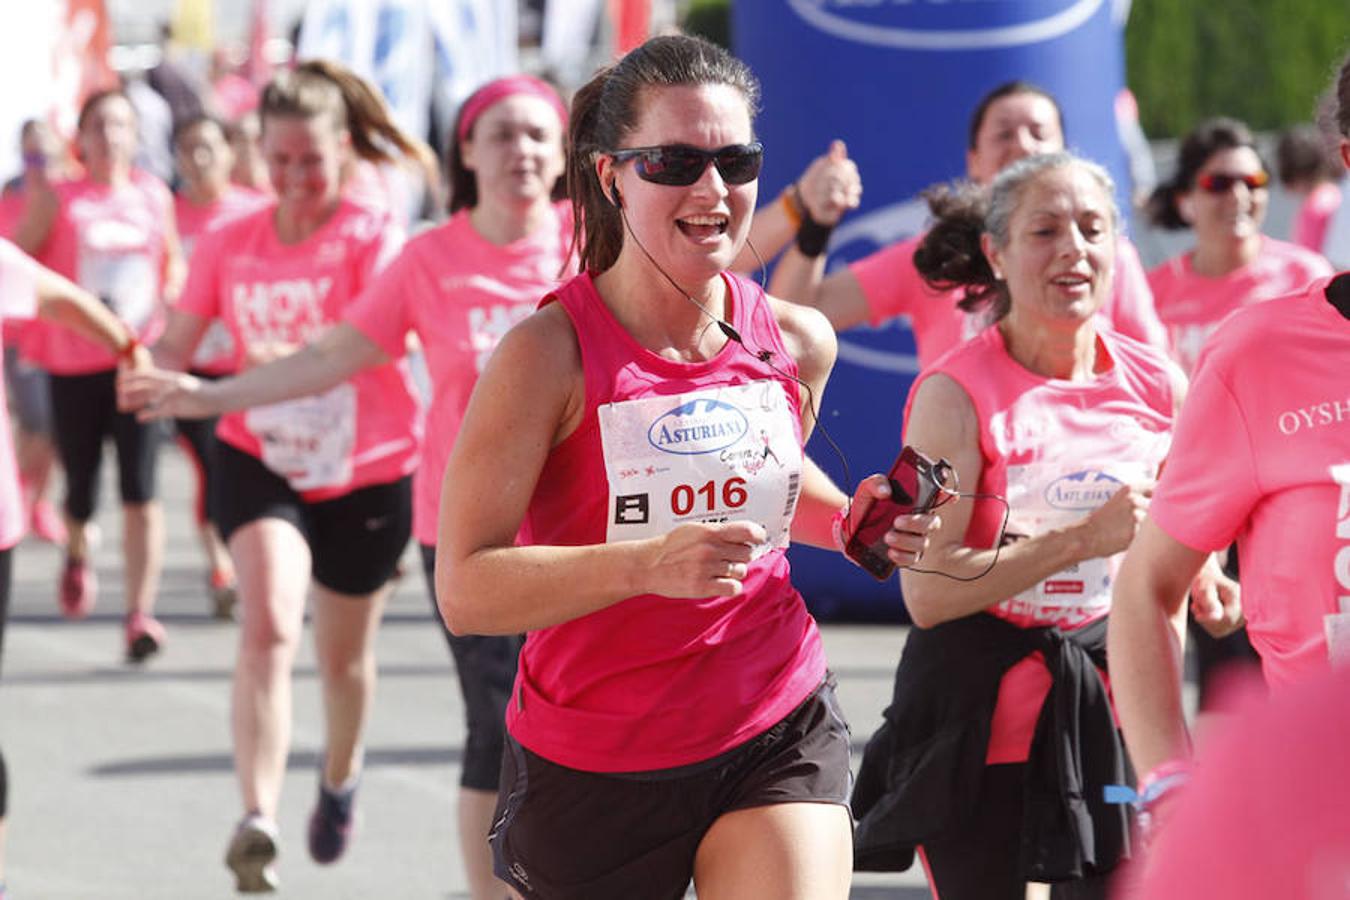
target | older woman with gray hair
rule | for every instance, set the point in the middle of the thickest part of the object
(1000, 736)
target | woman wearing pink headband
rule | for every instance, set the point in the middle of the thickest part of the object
(460, 286)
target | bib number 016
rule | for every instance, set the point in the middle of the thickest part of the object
(685, 497)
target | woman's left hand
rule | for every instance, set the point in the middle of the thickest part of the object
(831, 185)
(908, 536)
(1216, 601)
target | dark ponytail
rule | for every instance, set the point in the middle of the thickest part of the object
(607, 109)
(950, 256)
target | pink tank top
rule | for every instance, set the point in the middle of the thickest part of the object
(1057, 450)
(652, 682)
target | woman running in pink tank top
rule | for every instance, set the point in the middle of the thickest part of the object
(623, 486)
(1000, 689)
(315, 492)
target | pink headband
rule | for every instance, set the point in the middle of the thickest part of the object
(502, 88)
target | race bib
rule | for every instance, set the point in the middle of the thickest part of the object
(125, 281)
(710, 455)
(308, 441)
(1043, 496)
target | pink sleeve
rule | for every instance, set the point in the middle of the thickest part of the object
(18, 283)
(1132, 312)
(381, 313)
(1209, 482)
(889, 280)
(201, 293)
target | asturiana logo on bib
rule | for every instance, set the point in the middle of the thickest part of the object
(946, 24)
(699, 426)
(1081, 490)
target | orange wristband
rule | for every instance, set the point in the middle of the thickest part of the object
(790, 198)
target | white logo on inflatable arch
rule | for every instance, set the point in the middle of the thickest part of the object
(880, 228)
(819, 14)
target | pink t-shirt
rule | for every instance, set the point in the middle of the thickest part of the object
(653, 682)
(1191, 306)
(215, 353)
(112, 242)
(18, 301)
(894, 287)
(1262, 454)
(366, 430)
(1268, 811)
(1314, 215)
(461, 294)
(1057, 450)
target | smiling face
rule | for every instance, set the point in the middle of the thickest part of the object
(694, 232)
(1014, 127)
(515, 150)
(1232, 215)
(304, 159)
(1060, 250)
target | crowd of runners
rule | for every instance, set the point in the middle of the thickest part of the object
(593, 424)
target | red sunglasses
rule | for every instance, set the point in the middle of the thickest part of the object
(1220, 183)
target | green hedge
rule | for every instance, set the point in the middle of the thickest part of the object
(1264, 61)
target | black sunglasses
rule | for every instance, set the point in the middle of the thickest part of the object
(1219, 183)
(682, 165)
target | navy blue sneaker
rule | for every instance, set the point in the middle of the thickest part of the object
(331, 823)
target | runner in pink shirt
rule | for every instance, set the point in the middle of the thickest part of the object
(112, 233)
(623, 486)
(206, 200)
(1262, 455)
(459, 287)
(1011, 122)
(317, 491)
(27, 290)
(1069, 422)
(1220, 191)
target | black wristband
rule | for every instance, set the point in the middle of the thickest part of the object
(812, 236)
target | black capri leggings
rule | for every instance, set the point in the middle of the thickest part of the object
(84, 412)
(486, 666)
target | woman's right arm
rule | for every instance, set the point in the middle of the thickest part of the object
(942, 423)
(529, 398)
(338, 354)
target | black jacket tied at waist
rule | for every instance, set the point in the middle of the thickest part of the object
(921, 771)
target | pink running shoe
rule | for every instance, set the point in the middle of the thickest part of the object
(79, 588)
(145, 637)
(47, 523)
